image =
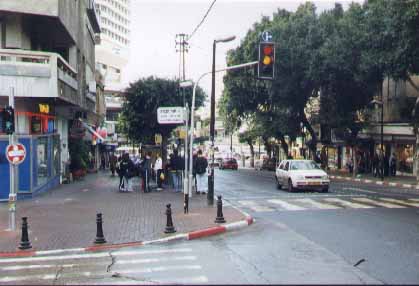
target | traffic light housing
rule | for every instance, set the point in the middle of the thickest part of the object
(8, 120)
(266, 65)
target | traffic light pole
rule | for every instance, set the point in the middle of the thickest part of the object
(13, 178)
(235, 67)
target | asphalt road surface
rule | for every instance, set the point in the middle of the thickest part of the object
(355, 234)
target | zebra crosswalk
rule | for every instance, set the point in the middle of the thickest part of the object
(151, 266)
(325, 203)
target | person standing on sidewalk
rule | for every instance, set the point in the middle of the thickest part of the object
(176, 171)
(127, 169)
(392, 164)
(158, 169)
(201, 165)
(146, 166)
(112, 163)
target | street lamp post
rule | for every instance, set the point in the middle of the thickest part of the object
(377, 102)
(210, 194)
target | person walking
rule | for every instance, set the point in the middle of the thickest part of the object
(392, 164)
(201, 165)
(119, 172)
(146, 172)
(158, 169)
(375, 165)
(127, 169)
(176, 171)
(112, 163)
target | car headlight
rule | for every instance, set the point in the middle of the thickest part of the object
(325, 177)
(300, 177)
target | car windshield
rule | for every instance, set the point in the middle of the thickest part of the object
(304, 165)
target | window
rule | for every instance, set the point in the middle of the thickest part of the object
(42, 158)
(287, 165)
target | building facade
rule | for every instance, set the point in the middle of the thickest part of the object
(47, 61)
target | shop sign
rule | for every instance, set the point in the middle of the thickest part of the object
(170, 115)
(43, 108)
(15, 153)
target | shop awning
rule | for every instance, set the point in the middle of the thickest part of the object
(91, 130)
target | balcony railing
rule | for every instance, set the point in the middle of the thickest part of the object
(38, 74)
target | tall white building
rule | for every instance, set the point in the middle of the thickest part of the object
(113, 52)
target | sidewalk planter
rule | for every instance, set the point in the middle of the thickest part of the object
(39, 172)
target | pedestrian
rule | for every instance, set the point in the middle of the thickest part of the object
(176, 171)
(112, 161)
(350, 165)
(158, 169)
(392, 164)
(194, 172)
(127, 169)
(381, 164)
(146, 172)
(375, 165)
(201, 165)
(119, 172)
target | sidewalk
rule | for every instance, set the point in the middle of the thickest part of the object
(65, 217)
(396, 181)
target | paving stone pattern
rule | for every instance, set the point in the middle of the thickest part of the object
(65, 217)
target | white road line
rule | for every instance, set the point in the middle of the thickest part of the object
(348, 204)
(400, 202)
(318, 205)
(36, 266)
(93, 255)
(185, 280)
(159, 269)
(150, 260)
(360, 190)
(287, 206)
(413, 200)
(377, 203)
(29, 277)
(256, 207)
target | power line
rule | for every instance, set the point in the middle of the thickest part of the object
(203, 19)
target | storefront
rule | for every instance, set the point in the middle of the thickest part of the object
(404, 157)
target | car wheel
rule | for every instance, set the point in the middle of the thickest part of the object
(278, 185)
(325, 190)
(290, 187)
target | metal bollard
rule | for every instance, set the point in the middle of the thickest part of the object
(24, 242)
(169, 224)
(220, 217)
(99, 230)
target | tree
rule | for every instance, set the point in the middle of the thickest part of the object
(139, 113)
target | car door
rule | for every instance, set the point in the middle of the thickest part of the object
(281, 172)
(285, 175)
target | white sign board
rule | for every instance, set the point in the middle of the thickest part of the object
(170, 115)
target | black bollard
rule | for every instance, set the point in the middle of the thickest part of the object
(186, 203)
(24, 242)
(99, 230)
(220, 217)
(169, 225)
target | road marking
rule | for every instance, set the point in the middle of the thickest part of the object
(400, 202)
(413, 200)
(159, 269)
(360, 190)
(37, 266)
(377, 203)
(318, 205)
(348, 204)
(151, 260)
(93, 255)
(29, 277)
(179, 280)
(256, 207)
(287, 206)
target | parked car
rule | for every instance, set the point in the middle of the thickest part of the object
(229, 163)
(301, 175)
(269, 164)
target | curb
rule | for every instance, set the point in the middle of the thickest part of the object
(183, 236)
(381, 183)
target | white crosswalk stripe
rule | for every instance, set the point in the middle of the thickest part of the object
(319, 205)
(286, 205)
(347, 203)
(326, 203)
(172, 265)
(377, 203)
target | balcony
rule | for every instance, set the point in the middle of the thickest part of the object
(38, 74)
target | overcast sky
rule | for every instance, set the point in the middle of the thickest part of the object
(155, 24)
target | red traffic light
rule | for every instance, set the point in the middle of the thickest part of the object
(267, 50)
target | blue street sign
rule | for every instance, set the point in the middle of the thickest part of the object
(266, 36)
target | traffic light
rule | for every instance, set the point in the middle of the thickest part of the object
(266, 66)
(8, 120)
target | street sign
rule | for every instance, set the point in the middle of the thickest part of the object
(15, 153)
(266, 36)
(170, 115)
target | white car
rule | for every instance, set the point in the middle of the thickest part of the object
(301, 175)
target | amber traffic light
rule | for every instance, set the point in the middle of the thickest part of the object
(266, 66)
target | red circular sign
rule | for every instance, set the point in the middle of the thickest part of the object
(15, 153)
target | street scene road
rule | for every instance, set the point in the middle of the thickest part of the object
(355, 234)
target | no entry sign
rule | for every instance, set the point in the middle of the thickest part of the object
(15, 153)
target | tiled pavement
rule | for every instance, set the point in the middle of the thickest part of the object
(66, 216)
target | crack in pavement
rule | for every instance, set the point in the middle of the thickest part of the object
(59, 271)
(108, 268)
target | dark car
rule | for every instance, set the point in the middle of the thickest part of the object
(229, 163)
(269, 164)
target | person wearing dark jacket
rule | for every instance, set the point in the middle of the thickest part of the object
(146, 172)
(201, 165)
(126, 167)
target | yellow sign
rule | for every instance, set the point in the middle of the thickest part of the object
(43, 108)
(157, 139)
(182, 133)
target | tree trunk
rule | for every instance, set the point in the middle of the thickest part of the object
(252, 155)
(164, 149)
(313, 142)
